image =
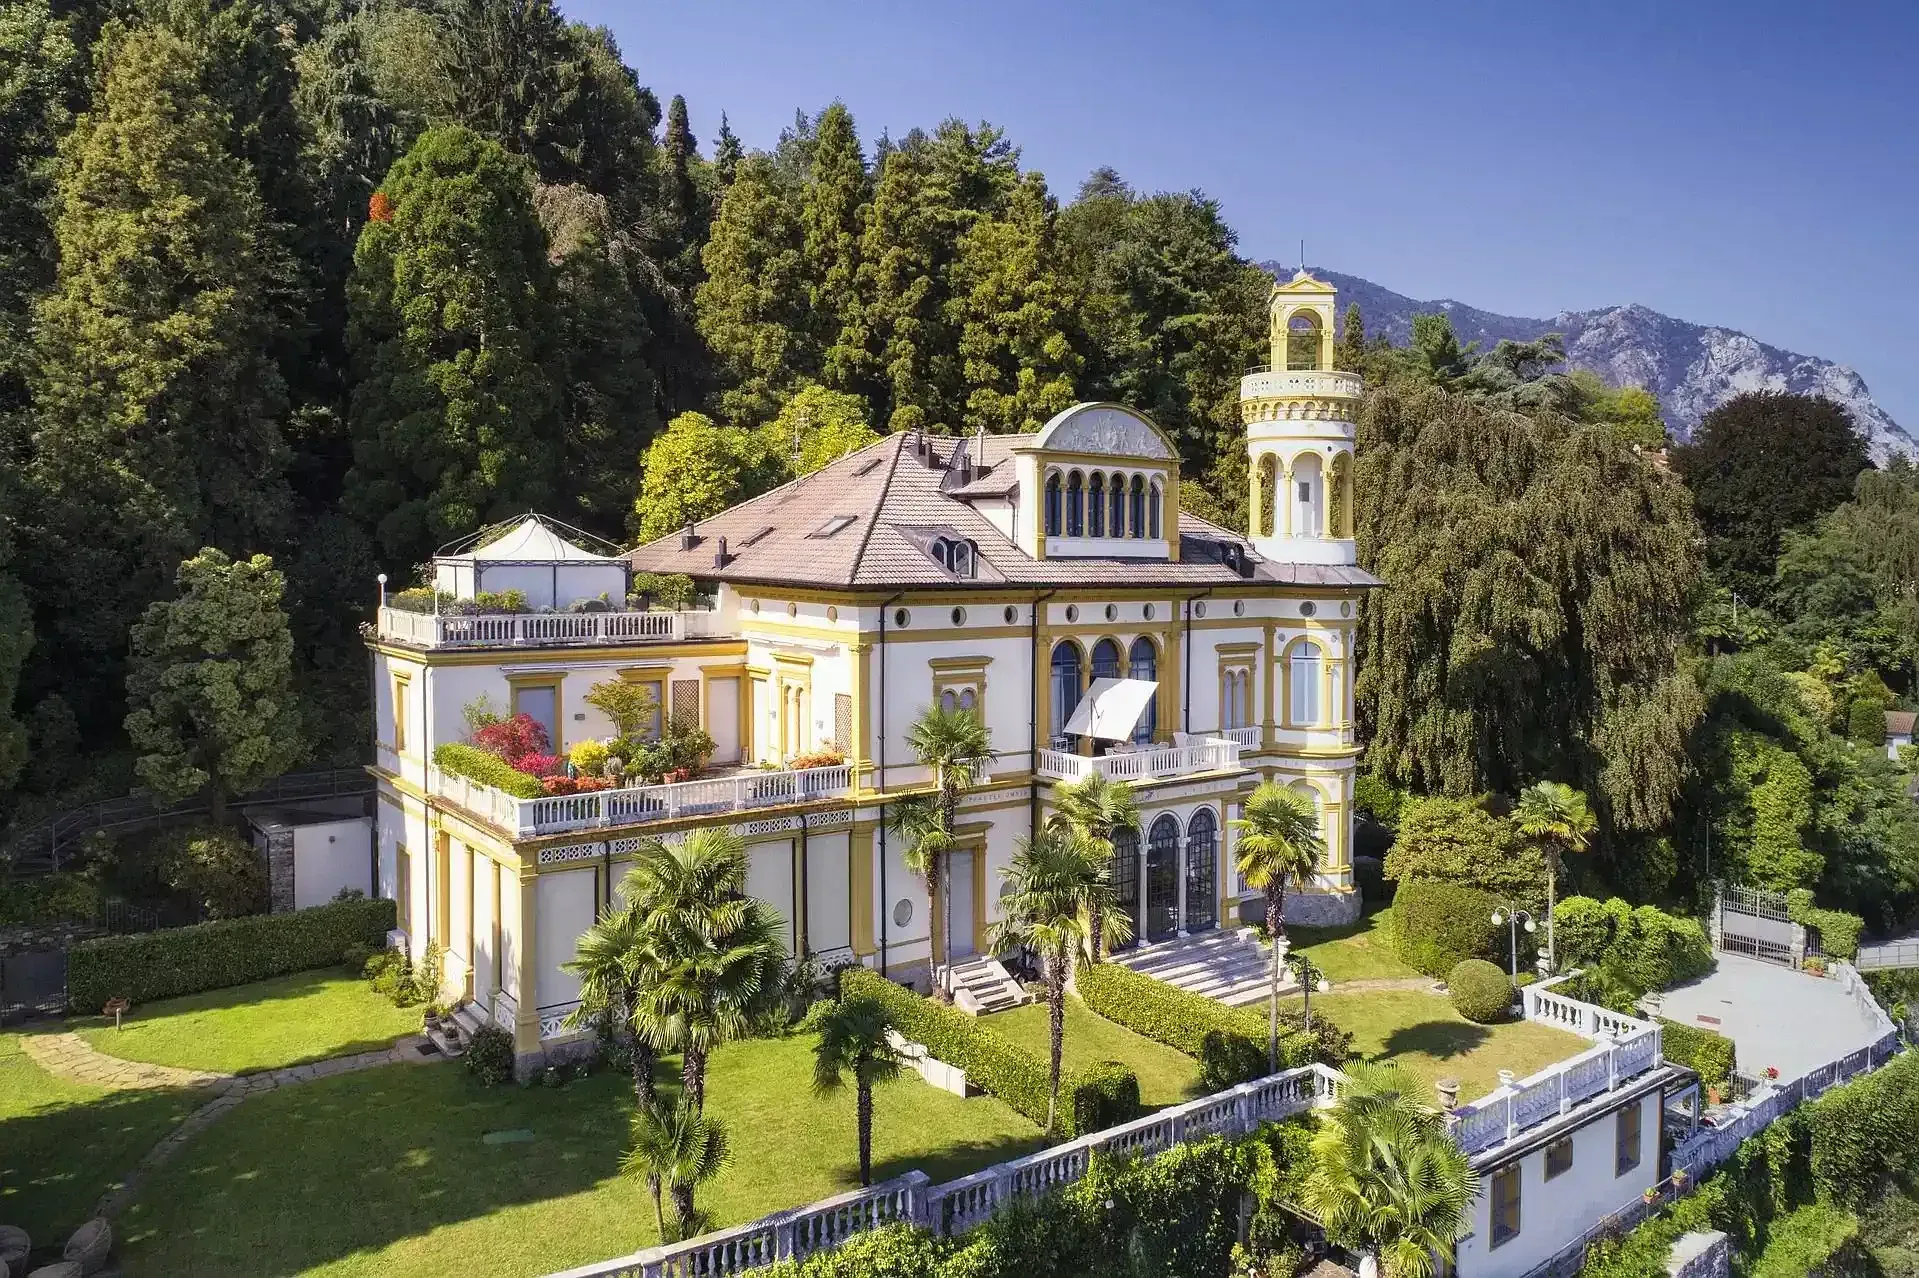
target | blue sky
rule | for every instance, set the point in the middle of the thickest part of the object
(1752, 164)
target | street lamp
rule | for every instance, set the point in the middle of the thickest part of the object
(382, 580)
(1310, 978)
(1514, 917)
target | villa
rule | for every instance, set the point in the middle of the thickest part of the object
(1050, 582)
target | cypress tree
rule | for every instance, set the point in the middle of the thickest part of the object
(1349, 351)
(727, 153)
(447, 316)
(156, 412)
(752, 305)
(1020, 366)
(830, 217)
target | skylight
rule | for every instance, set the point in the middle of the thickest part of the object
(836, 524)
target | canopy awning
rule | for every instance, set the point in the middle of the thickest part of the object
(1111, 709)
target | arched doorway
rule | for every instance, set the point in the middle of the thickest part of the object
(1126, 879)
(1202, 855)
(1162, 879)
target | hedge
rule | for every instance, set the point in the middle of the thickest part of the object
(1229, 1043)
(1865, 1135)
(1089, 1100)
(1709, 1054)
(211, 956)
(1838, 930)
(1438, 925)
(487, 768)
(1643, 946)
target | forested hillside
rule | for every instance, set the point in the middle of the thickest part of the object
(321, 286)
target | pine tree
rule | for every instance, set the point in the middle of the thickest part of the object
(679, 153)
(752, 307)
(157, 413)
(830, 217)
(727, 153)
(448, 324)
(1020, 365)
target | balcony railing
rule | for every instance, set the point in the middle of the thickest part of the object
(1195, 754)
(1291, 383)
(1244, 738)
(638, 805)
(541, 629)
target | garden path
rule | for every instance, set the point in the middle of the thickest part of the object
(69, 1056)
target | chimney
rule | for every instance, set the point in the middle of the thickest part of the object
(720, 558)
(687, 538)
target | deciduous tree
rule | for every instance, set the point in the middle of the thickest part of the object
(693, 469)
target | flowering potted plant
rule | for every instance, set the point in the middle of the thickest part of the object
(1772, 1073)
(1651, 1195)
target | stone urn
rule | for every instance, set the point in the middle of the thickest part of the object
(89, 1246)
(15, 1244)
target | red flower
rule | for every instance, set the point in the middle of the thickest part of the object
(513, 738)
(538, 765)
(379, 208)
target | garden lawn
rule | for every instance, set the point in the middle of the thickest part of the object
(307, 1016)
(1360, 951)
(63, 1144)
(1422, 1032)
(1166, 1077)
(386, 1172)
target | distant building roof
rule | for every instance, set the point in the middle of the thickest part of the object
(1899, 722)
(896, 503)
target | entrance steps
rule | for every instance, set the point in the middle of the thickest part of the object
(452, 1039)
(982, 985)
(1233, 967)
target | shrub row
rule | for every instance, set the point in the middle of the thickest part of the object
(486, 768)
(211, 956)
(1644, 948)
(1229, 1043)
(1438, 925)
(1708, 1053)
(1838, 930)
(1865, 1136)
(1088, 1099)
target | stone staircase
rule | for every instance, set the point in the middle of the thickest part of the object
(1231, 966)
(981, 986)
(466, 1019)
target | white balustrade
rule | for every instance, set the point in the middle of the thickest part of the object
(1195, 754)
(1244, 738)
(541, 629)
(637, 805)
(1292, 383)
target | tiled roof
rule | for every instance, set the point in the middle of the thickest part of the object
(1899, 722)
(884, 506)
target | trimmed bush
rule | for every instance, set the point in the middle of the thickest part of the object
(211, 956)
(486, 768)
(489, 1056)
(1229, 1043)
(1480, 991)
(1436, 926)
(999, 1066)
(1644, 948)
(1710, 1055)
(1838, 931)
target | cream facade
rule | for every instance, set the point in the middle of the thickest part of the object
(970, 574)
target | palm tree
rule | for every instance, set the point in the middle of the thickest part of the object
(1557, 818)
(1049, 908)
(713, 955)
(1385, 1178)
(677, 1149)
(853, 1037)
(957, 746)
(613, 963)
(1279, 843)
(1096, 808)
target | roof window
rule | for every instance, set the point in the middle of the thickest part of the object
(838, 523)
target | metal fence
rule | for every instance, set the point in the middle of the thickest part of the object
(1892, 954)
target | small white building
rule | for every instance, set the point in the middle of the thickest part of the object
(314, 850)
(1898, 731)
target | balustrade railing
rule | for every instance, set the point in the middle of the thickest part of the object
(1244, 738)
(1284, 382)
(1198, 754)
(541, 629)
(637, 805)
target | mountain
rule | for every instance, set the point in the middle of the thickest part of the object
(1693, 368)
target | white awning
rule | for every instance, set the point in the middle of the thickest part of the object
(1111, 709)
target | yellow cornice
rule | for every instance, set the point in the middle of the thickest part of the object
(557, 656)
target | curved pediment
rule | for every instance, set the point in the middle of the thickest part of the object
(1104, 430)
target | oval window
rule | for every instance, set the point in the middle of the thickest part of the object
(1011, 614)
(1112, 612)
(1239, 607)
(832, 613)
(1199, 610)
(754, 604)
(902, 618)
(1308, 609)
(1147, 612)
(959, 616)
(902, 913)
(792, 610)
(1072, 612)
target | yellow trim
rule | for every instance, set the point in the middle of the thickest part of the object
(570, 656)
(401, 684)
(861, 843)
(856, 750)
(773, 628)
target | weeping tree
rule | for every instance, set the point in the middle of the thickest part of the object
(1539, 577)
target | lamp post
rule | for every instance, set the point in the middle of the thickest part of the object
(1513, 917)
(1310, 978)
(382, 580)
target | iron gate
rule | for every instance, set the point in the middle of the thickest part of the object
(1755, 923)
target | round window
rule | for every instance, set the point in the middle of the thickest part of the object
(902, 913)
(792, 610)
(1147, 612)
(1199, 610)
(959, 616)
(1112, 612)
(1239, 607)
(754, 604)
(902, 618)
(1011, 614)
(1308, 609)
(1072, 612)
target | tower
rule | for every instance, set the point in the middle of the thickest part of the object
(1299, 422)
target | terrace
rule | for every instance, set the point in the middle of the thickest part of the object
(442, 630)
(1187, 756)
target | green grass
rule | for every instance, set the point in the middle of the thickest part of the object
(64, 1144)
(1166, 1077)
(383, 1171)
(288, 1020)
(1422, 1032)
(1360, 951)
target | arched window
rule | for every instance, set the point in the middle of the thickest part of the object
(1306, 496)
(1302, 676)
(1202, 856)
(1052, 505)
(1066, 688)
(1162, 878)
(1075, 505)
(1096, 506)
(1152, 514)
(1106, 659)
(1116, 517)
(1138, 521)
(949, 701)
(1269, 481)
(1302, 340)
(1145, 665)
(1126, 876)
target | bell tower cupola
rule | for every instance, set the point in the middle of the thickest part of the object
(1299, 417)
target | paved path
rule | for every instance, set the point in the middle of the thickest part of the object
(67, 1055)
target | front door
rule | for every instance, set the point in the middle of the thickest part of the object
(959, 895)
(1162, 880)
